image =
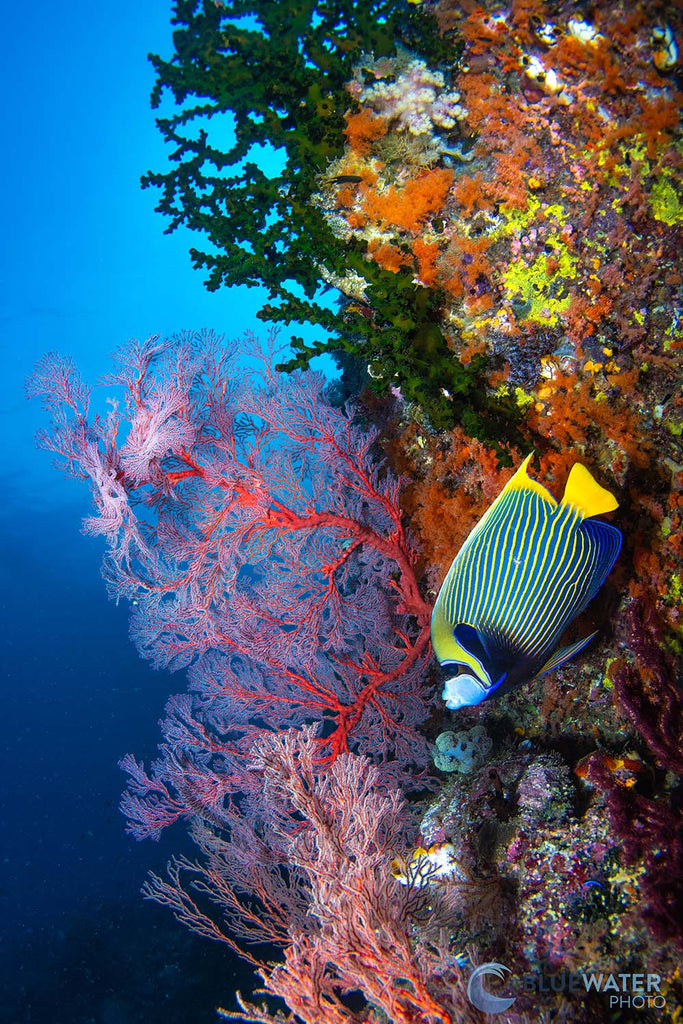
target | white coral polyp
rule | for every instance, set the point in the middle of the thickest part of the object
(417, 100)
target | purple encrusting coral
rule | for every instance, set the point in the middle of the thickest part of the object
(544, 791)
(649, 832)
(568, 892)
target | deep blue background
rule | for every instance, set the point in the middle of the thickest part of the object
(85, 265)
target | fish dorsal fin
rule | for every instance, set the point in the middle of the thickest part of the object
(521, 481)
(586, 494)
(564, 654)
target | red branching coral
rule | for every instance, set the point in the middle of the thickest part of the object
(649, 690)
(651, 830)
(309, 870)
(245, 552)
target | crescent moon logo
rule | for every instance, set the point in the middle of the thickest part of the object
(477, 994)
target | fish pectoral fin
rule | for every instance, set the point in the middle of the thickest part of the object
(497, 685)
(585, 493)
(564, 654)
(471, 639)
(484, 655)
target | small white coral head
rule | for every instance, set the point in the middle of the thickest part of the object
(548, 33)
(665, 55)
(545, 77)
(585, 33)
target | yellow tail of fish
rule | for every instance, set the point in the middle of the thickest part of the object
(586, 494)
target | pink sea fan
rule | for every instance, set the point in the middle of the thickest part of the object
(56, 380)
(304, 863)
(261, 542)
(114, 520)
(157, 429)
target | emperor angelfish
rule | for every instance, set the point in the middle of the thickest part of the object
(529, 566)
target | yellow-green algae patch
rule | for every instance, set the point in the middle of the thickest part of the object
(542, 293)
(665, 202)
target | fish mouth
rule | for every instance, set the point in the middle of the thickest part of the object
(463, 690)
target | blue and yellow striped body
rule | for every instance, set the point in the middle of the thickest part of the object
(526, 570)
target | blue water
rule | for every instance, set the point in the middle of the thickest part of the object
(77, 942)
(84, 265)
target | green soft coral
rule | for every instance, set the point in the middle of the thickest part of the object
(281, 80)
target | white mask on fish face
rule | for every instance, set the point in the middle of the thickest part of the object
(463, 691)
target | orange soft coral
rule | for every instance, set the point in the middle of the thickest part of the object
(409, 206)
(362, 129)
(464, 479)
(388, 256)
(426, 254)
(468, 192)
(573, 410)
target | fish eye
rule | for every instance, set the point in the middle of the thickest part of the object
(452, 669)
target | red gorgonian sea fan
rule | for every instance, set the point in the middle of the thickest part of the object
(260, 541)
